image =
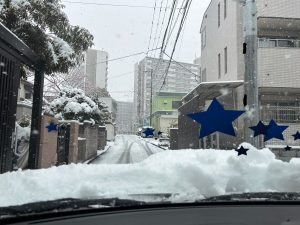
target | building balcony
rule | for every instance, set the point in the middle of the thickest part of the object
(278, 8)
(278, 63)
(279, 27)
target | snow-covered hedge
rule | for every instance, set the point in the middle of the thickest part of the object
(73, 104)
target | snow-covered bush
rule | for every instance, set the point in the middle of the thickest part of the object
(73, 104)
(24, 121)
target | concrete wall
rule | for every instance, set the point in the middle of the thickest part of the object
(111, 133)
(48, 144)
(188, 130)
(217, 38)
(166, 121)
(73, 144)
(174, 138)
(88, 147)
(275, 65)
(279, 8)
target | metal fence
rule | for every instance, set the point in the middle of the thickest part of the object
(281, 114)
(13, 54)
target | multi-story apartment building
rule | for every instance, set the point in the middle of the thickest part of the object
(96, 67)
(222, 60)
(149, 80)
(125, 116)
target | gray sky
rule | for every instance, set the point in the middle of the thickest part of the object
(123, 31)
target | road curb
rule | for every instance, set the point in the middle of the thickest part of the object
(101, 153)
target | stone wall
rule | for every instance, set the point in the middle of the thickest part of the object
(48, 144)
(73, 144)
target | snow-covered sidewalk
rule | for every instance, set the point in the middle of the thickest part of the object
(190, 174)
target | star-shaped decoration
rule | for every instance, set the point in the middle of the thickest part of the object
(148, 132)
(287, 148)
(216, 118)
(242, 151)
(275, 131)
(296, 136)
(52, 127)
(260, 129)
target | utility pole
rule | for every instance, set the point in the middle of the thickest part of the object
(151, 91)
(250, 80)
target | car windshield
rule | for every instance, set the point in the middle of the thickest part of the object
(148, 101)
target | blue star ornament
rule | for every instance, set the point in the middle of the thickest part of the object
(52, 127)
(216, 119)
(288, 148)
(242, 151)
(296, 136)
(275, 131)
(148, 132)
(260, 129)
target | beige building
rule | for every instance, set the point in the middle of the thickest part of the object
(96, 67)
(222, 60)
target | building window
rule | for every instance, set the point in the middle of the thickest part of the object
(219, 15)
(265, 43)
(286, 43)
(203, 75)
(225, 9)
(219, 66)
(203, 38)
(225, 60)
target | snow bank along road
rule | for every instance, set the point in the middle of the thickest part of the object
(127, 149)
(186, 174)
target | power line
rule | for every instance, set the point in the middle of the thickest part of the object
(152, 23)
(124, 57)
(113, 5)
(183, 19)
(157, 25)
(164, 37)
(162, 24)
(120, 75)
(179, 64)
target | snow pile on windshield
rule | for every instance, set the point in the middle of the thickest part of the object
(189, 174)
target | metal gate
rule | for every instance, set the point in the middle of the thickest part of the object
(13, 54)
(9, 81)
(63, 140)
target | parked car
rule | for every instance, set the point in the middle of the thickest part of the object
(164, 141)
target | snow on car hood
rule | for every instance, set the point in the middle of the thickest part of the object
(190, 174)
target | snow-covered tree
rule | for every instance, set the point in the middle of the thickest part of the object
(75, 78)
(73, 104)
(45, 28)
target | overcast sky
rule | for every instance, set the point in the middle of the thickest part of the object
(123, 31)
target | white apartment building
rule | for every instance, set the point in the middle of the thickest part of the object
(149, 75)
(278, 44)
(96, 67)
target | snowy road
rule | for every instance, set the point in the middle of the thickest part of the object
(127, 149)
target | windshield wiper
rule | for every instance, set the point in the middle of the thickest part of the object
(63, 205)
(258, 196)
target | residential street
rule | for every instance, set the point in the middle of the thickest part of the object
(126, 150)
